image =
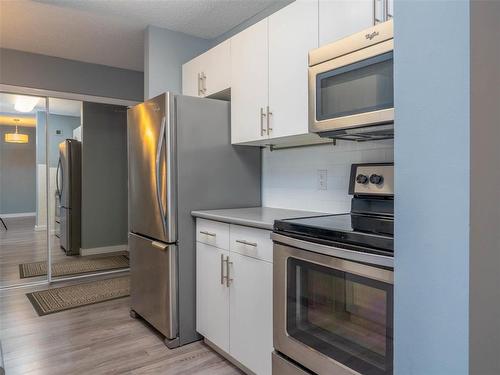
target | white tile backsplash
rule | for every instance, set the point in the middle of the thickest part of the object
(289, 177)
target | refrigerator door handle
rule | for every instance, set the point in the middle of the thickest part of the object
(161, 141)
(58, 190)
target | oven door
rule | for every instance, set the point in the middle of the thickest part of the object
(353, 90)
(331, 315)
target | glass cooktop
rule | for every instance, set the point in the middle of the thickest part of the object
(357, 229)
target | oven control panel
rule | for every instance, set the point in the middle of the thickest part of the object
(372, 179)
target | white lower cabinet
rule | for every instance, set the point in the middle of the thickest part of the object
(212, 295)
(237, 315)
(250, 313)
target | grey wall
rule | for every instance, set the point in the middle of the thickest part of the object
(104, 176)
(17, 173)
(164, 53)
(52, 73)
(431, 154)
(56, 122)
(484, 296)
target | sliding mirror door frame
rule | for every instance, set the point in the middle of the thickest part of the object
(47, 95)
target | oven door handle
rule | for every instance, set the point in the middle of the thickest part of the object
(357, 256)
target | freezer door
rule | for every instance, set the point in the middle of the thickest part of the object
(153, 291)
(65, 229)
(151, 163)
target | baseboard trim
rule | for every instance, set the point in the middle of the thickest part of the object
(41, 228)
(19, 214)
(229, 357)
(103, 250)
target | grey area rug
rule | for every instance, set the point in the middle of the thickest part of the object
(54, 300)
(76, 266)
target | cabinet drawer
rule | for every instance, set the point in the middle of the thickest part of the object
(252, 242)
(212, 233)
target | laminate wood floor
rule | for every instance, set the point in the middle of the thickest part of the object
(96, 339)
(22, 244)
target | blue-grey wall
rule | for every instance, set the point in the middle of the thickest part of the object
(17, 172)
(52, 73)
(164, 53)
(431, 62)
(65, 124)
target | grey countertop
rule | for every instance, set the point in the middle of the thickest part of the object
(258, 217)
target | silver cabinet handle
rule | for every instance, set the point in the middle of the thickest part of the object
(199, 84)
(247, 243)
(269, 113)
(159, 245)
(375, 19)
(208, 233)
(388, 16)
(222, 277)
(228, 270)
(203, 83)
(262, 115)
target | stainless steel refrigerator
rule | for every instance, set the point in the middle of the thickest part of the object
(69, 192)
(180, 159)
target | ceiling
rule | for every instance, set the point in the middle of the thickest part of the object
(112, 32)
(9, 115)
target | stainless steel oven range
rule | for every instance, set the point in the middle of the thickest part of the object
(333, 284)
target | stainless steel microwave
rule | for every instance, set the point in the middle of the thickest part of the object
(351, 93)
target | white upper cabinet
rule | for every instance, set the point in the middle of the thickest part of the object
(341, 18)
(249, 77)
(293, 31)
(209, 73)
(266, 67)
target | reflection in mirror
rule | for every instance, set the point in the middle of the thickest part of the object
(88, 161)
(23, 239)
(64, 161)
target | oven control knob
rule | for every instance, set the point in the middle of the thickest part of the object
(361, 179)
(376, 179)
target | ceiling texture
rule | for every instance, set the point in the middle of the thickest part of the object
(111, 32)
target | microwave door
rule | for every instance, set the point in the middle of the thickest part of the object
(352, 91)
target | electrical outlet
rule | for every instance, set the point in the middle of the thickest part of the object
(322, 179)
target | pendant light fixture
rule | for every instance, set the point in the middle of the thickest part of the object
(16, 137)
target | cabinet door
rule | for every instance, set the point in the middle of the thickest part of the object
(190, 81)
(293, 31)
(249, 83)
(217, 69)
(251, 315)
(341, 18)
(212, 295)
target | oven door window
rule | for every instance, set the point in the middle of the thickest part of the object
(343, 316)
(364, 86)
